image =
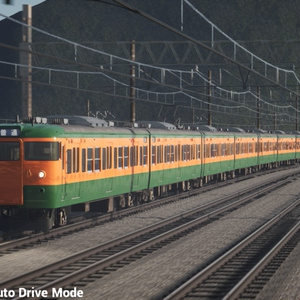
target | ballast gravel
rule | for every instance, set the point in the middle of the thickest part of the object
(148, 276)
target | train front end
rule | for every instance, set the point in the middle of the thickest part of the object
(30, 176)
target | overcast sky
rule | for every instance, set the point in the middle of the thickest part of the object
(15, 6)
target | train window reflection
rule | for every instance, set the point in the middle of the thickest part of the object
(9, 151)
(41, 151)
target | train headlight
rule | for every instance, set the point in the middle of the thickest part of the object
(42, 174)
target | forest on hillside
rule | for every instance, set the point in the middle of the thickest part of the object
(106, 25)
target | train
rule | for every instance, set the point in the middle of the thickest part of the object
(52, 166)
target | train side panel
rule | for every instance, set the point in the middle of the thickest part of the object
(175, 157)
(267, 149)
(218, 153)
(245, 148)
(107, 166)
(286, 147)
(297, 146)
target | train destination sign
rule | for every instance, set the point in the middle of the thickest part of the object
(10, 132)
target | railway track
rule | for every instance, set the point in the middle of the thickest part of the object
(102, 259)
(242, 271)
(35, 239)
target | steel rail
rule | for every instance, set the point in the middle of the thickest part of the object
(242, 285)
(185, 288)
(40, 237)
(99, 265)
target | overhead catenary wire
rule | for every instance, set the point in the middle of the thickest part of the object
(171, 71)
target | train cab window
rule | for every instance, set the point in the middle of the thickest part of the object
(89, 159)
(42, 150)
(9, 151)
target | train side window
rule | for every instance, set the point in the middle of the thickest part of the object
(133, 156)
(69, 161)
(143, 155)
(126, 157)
(219, 149)
(250, 149)
(183, 153)
(172, 153)
(120, 157)
(104, 158)
(153, 155)
(109, 157)
(75, 160)
(192, 147)
(158, 155)
(90, 159)
(167, 154)
(97, 159)
(213, 150)
(115, 158)
(198, 153)
(224, 149)
(83, 160)
(207, 151)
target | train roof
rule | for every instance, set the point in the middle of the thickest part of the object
(78, 120)
(64, 125)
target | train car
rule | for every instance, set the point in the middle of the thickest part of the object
(218, 153)
(245, 150)
(297, 138)
(267, 150)
(286, 147)
(175, 158)
(50, 167)
(46, 168)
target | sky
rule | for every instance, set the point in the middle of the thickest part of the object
(15, 6)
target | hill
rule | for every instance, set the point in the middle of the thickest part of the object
(89, 21)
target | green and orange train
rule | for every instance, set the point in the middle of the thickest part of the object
(51, 166)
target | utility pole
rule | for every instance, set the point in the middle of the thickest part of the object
(88, 107)
(26, 60)
(132, 84)
(258, 108)
(209, 118)
(296, 127)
